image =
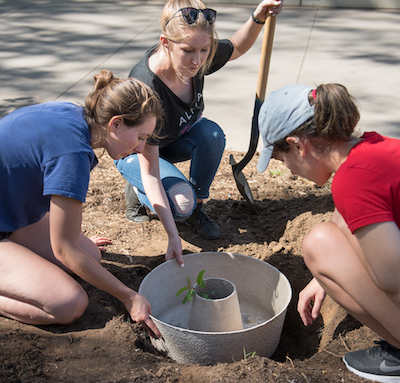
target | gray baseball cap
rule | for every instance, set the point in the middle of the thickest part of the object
(281, 113)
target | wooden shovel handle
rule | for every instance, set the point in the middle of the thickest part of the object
(266, 50)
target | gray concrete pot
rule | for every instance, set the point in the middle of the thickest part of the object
(264, 294)
(219, 312)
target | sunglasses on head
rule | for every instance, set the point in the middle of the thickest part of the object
(190, 15)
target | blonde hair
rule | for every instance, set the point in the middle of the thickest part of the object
(176, 29)
(129, 98)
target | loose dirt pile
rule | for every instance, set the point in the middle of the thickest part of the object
(104, 346)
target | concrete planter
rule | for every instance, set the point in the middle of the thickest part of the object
(264, 294)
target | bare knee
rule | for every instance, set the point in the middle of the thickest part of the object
(315, 241)
(183, 198)
(72, 305)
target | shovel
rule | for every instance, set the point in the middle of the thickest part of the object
(237, 168)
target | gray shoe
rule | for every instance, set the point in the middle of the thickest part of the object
(135, 211)
(202, 224)
(380, 363)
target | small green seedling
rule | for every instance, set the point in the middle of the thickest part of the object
(248, 354)
(274, 173)
(190, 288)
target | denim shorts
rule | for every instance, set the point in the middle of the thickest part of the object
(4, 235)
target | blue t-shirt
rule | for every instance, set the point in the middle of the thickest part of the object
(44, 150)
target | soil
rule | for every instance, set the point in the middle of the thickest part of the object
(105, 346)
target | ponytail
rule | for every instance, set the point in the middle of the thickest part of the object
(335, 118)
(336, 113)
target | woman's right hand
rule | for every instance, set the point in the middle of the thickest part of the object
(267, 8)
(139, 309)
(175, 250)
(310, 302)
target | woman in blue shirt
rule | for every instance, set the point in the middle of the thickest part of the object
(46, 155)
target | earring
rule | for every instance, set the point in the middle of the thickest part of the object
(296, 140)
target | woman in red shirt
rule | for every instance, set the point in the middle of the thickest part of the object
(355, 257)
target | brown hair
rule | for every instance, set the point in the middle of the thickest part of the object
(129, 98)
(335, 118)
(177, 29)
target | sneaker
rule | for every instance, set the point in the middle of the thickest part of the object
(202, 224)
(380, 363)
(135, 211)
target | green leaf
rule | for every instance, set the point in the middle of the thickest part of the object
(200, 281)
(188, 296)
(189, 288)
(182, 290)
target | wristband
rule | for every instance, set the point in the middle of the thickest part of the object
(257, 21)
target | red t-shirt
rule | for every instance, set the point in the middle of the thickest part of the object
(366, 188)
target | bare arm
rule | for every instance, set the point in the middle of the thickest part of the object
(149, 167)
(377, 247)
(247, 34)
(380, 244)
(65, 227)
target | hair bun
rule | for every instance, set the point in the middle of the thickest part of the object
(102, 79)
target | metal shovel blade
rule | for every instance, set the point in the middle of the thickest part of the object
(237, 168)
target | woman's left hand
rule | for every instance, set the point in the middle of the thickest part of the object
(310, 302)
(100, 242)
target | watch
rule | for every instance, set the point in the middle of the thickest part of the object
(257, 21)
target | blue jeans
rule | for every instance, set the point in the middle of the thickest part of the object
(203, 144)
